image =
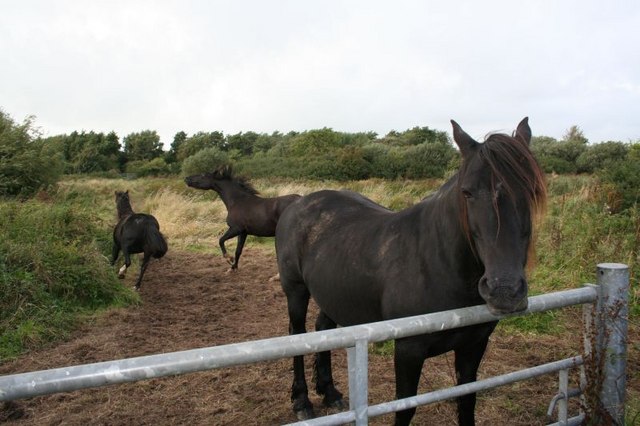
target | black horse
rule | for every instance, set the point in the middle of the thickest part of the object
(135, 233)
(465, 245)
(247, 213)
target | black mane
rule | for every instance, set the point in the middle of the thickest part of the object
(226, 173)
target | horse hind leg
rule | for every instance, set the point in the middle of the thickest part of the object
(127, 263)
(143, 267)
(297, 304)
(115, 252)
(322, 372)
(241, 240)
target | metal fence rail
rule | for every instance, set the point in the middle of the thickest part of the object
(355, 339)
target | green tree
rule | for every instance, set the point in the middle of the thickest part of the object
(200, 141)
(178, 140)
(575, 134)
(26, 162)
(242, 142)
(143, 145)
(560, 156)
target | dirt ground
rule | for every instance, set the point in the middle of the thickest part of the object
(192, 300)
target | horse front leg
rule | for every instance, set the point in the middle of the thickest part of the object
(468, 360)
(231, 233)
(241, 239)
(143, 267)
(408, 362)
(323, 374)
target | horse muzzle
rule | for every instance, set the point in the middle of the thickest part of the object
(504, 296)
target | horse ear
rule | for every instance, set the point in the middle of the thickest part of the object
(523, 131)
(465, 142)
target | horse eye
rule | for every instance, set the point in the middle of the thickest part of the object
(467, 194)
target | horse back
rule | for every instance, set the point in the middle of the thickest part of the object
(259, 216)
(140, 232)
(344, 249)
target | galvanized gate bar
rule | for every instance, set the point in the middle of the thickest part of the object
(449, 393)
(480, 385)
(152, 366)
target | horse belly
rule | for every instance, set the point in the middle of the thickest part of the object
(346, 298)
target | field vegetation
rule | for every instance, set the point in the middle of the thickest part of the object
(57, 209)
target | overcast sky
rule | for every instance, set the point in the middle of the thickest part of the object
(298, 65)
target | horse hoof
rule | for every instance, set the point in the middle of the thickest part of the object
(121, 276)
(338, 404)
(305, 414)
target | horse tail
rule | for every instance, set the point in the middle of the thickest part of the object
(155, 241)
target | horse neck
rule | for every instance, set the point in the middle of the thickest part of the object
(446, 239)
(230, 193)
(124, 209)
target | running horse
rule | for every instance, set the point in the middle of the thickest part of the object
(247, 212)
(466, 244)
(135, 233)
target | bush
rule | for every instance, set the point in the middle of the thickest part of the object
(204, 161)
(52, 267)
(155, 167)
(597, 156)
(428, 160)
(624, 178)
(26, 165)
(386, 162)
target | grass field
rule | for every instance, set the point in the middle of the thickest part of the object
(72, 225)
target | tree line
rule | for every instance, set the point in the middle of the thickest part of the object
(29, 161)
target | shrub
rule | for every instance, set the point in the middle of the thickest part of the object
(597, 156)
(26, 164)
(156, 167)
(203, 161)
(428, 160)
(52, 267)
(624, 178)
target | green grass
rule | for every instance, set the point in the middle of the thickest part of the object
(54, 249)
(53, 269)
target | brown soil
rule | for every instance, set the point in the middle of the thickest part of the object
(191, 301)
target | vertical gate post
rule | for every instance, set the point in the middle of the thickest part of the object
(358, 359)
(606, 344)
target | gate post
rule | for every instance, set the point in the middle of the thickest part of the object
(358, 360)
(606, 346)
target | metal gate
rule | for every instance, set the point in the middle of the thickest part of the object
(606, 315)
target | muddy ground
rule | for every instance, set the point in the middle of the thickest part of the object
(191, 300)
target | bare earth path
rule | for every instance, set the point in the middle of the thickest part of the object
(190, 301)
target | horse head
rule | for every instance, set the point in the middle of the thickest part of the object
(123, 204)
(203, 181)
(221, 180)
(501, 189)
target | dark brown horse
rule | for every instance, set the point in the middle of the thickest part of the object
(465, 245)
(247, 213)
(135, 233)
